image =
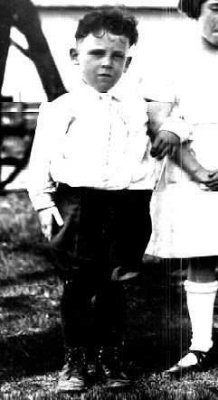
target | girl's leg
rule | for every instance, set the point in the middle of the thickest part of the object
(202, 269)
(201, 289)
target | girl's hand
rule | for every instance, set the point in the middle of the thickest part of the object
(201, 175)
(46, 218)
(212, 182)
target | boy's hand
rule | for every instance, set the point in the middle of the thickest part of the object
(46, 218)
(164, 143)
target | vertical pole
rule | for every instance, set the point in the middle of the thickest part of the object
(1, 138)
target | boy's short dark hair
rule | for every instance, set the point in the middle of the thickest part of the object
(191, 7)
(112, 19)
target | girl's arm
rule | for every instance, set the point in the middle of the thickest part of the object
(186, 160)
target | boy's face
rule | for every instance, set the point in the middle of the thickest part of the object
(102, 59)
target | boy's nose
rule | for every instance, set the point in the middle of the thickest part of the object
(107, 61)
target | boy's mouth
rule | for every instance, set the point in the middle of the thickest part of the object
(105, 75)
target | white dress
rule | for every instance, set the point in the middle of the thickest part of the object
(185, 214)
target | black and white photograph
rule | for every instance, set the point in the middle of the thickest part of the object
(108, 199)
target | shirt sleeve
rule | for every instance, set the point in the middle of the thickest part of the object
(40, 184)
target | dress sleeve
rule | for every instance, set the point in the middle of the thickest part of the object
(176, 122)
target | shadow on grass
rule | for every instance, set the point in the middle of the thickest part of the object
(31, 354)
(28, 277)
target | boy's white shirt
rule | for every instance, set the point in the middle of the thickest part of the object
(91, 139)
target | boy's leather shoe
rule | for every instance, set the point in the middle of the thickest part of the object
(111, 374)
(186, 365)
(73, 375)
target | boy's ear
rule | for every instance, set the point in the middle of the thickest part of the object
(74, 55)
(128, 61)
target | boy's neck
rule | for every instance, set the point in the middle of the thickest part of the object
(91, 87)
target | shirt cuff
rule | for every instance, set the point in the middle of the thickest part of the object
(42, 201)
(178, 127)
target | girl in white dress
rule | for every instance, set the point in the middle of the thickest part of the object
(185, 211)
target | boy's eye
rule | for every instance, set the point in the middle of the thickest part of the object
(97, 53)
(213, 6)
(118, 56)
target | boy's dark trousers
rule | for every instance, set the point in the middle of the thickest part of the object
(103, 230)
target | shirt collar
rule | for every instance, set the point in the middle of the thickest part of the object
(113, 94)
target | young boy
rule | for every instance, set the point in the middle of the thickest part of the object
(91, 180)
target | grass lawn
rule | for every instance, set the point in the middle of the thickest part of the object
(31, 350)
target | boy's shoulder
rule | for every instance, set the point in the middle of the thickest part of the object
(58, 111)
(59, 108)
(61, 101)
